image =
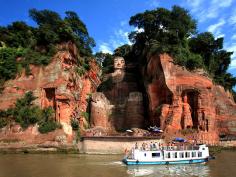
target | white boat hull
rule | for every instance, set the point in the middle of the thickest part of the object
(137, 162)
(199, 154)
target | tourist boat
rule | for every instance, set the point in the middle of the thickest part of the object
(168, 155)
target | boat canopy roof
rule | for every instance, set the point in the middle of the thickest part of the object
(178, 139)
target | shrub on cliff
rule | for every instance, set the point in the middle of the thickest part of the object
(74, 124)
(234, 95)
(85, 115)
(5, 117)
(27, 116)
(8, 66)
(47, 122)
(3, 122)
(48, 126)
(26, 113)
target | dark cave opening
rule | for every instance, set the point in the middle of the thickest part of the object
(192, 100)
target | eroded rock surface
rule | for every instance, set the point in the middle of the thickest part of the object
(56, 85)
(181, 100)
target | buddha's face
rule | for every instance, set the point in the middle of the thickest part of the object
(119, 63)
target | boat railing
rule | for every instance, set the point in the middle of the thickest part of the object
(171, 148)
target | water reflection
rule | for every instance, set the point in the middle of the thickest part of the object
(168, 170)
(63, 165)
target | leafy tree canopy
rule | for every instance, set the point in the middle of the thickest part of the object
(174, 32)
(106, 61)
(21, 44)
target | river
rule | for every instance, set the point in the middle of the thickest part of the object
(74, 165)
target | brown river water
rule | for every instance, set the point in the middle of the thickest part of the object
(74, 165)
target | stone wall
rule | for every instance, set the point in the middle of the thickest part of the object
(112, 145)
(227, 143)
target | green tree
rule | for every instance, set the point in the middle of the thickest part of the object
(174, 32)
(216, 60)
(82, 38)
(106, 61)
(53, 29)
(163, 31)
(123, 51)
(8, 65)
(22, 45)
(126, 51)
(18, 34)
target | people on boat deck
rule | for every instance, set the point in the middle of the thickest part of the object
(136, 145)
(160, 146)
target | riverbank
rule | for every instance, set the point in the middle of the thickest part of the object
(214, 150)
(48, 147)
(39, 150)
(94, 145)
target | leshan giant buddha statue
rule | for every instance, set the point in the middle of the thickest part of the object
(118, 104)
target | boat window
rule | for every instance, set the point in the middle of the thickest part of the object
(203, 148)
(145, 154)
(168, 155)
(181, 155)
(187, 154)
(156, 155)
(193, 154)
(175, 154)
(199, 154)
(172, 155)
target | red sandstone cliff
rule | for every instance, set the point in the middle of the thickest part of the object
(181, 100)
(56, 85)
(177, 100)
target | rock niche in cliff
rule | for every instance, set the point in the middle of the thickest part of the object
(56, 85)
(178, 101)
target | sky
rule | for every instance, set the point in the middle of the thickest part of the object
(108, 20)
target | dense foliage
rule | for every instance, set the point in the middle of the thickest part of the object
(74, 124)
(50, 125)
(26, 113)
(22, 45)
(106, 61)
(174, 32)
(215, 59)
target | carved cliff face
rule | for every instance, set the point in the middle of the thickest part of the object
(187, 102)
(179, 101)
(55, 85)
(124, 108)
(119, 63)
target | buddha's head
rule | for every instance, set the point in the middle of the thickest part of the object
(119, 63)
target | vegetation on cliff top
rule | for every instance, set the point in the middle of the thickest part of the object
(174, 32)
(22, 45)
(160, 31)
